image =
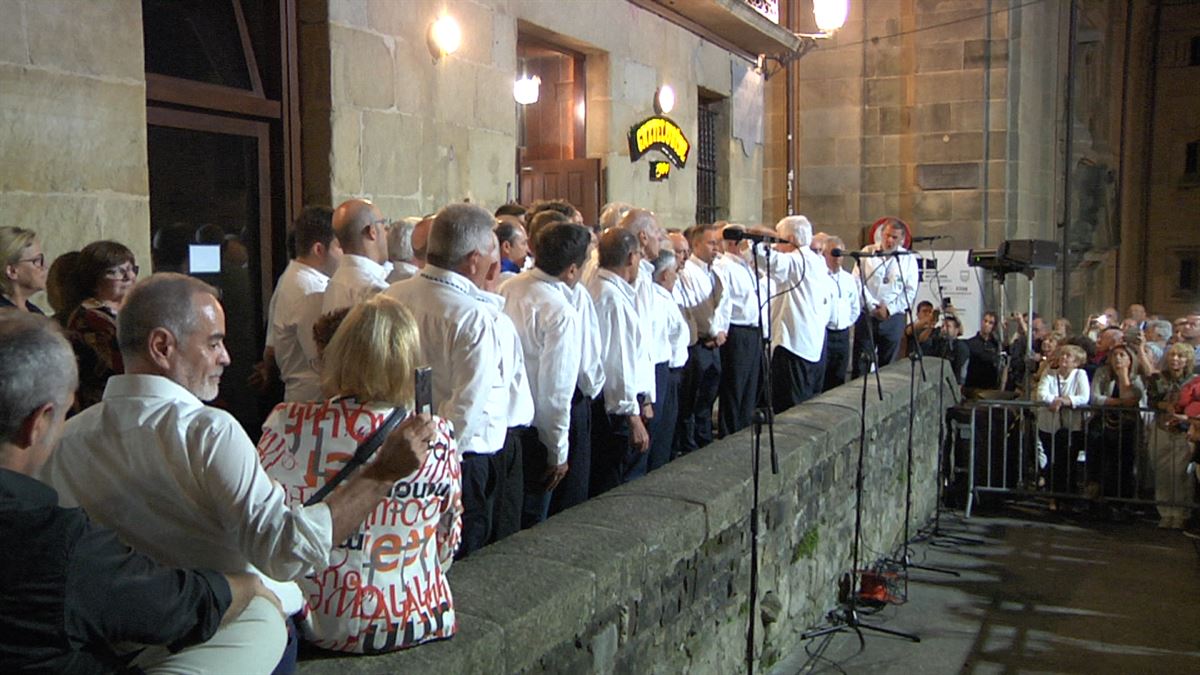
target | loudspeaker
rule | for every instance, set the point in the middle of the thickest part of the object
(1029, 253)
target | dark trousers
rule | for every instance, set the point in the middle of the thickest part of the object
(697, 393)
(614, 460)
(794, 380)
(1061, 447)
(885, 335)
(741, 378)
(836, 357)
(666, 412)
(1112, 452)
(573, 488)
(535, 460)
(493, 491)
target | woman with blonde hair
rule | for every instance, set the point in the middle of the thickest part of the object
(1169, 447)
(408, 542)
(1111, 459)
(24, 269)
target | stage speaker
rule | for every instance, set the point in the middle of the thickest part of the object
(1034, 254)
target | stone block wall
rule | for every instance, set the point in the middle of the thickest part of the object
(73, 123)
(381, 119)
(654, 576)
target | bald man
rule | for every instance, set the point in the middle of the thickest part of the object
(361, 229)
(420, 240)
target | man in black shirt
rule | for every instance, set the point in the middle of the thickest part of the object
(983, 370)
(73, 598)
(944, 343)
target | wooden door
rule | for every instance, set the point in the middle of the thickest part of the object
(575, 180)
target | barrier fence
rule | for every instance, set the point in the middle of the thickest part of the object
(1095, 453)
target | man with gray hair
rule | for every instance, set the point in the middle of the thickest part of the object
(459, 342)
(362, 231)
(181, 481)
(400, 249)
(71, 592)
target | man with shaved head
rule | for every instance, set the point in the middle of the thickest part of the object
(420, 240)
(362, 231)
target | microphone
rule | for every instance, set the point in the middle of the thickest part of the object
(839, 253)
(931, 238)
(735, 234)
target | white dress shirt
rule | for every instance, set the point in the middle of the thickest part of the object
(847, 300)
(295, 307)
(738, 279)
(644, 302)
(804, 306)
(181, 482)
(677, 334)
(622, 346)
(591, 366)
(551, 337)
(458, 340)
(703, 300)
(402, 270)
(357, 278)
(510, 402)
(891, 281)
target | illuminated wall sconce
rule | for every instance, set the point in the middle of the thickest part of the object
(525, 90)
(830, 15)
(444, 38)
(664, 99)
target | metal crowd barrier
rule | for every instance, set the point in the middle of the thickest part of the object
(1095, 453)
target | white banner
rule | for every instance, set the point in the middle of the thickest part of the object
(960, 284)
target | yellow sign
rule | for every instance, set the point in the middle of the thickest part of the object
(660, 171)
(659, 133)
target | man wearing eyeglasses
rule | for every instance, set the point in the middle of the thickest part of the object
(361, 229)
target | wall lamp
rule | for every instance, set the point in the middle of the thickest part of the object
(444, 37)
(830, 15)
(526, 89)
(664, 99)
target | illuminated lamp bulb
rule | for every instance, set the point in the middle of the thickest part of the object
(830, 14)
(445, 36)
(664, 99)
(525, 90)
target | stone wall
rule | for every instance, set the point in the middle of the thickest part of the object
(382, 120)
(73, 123)
(654, 576)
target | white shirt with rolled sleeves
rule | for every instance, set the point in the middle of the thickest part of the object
(622, 346)
(181, 482)
(677, 333)
(847, 303)
(591, 366)
(551, 338)
(703, 300)
(644, 303)
(804, 306)
(295, 307)
(357, 278)
(458, 341)
(891, 280)
(738, 280)
(510, 403)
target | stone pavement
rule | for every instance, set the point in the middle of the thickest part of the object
(1037, 594)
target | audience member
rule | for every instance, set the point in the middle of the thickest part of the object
(103, 275)
(1062, 388)
(58, 284)
(24, 269)
(987, 356)
(1168, 443)
(510, 209)
(362, 232)
(918, 333)
(409, 538)
(947, 345)
(73, 598)
(400, 250)
(181, 481)
(1117, 384)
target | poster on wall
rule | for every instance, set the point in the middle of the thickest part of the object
(947, 275)
(660, 134)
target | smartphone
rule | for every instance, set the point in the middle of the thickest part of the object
(423, 384)
(945, 303)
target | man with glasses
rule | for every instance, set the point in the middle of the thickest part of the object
(362, 232)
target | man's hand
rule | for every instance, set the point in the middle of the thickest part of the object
(647, 412)
(263, 375)
(244, 587)
(720, 338)
(881, 312)
(554, 475)
(404, 450)
(638, 437)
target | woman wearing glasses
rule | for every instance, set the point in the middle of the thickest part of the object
(103, 275)
(24, 269)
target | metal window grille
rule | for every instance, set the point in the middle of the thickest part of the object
(706, 165)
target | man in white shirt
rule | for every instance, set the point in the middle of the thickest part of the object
(459, 342)
(362, 231)
(742, 353)
(705, 306)
(889, 272)
(671, 337)
(296, 305)
(620, 415)
(799, 315)
(400, 249)
(847, 303)
(181, 481)
(538, 302)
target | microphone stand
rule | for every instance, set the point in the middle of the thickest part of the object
(848, 617)
(763, 414)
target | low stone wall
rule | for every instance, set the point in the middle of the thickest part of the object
(655, 575)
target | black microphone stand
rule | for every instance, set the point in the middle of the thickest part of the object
(763, 414)
(914, 357)
(848, 618)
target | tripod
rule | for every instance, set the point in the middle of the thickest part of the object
(848, 616)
